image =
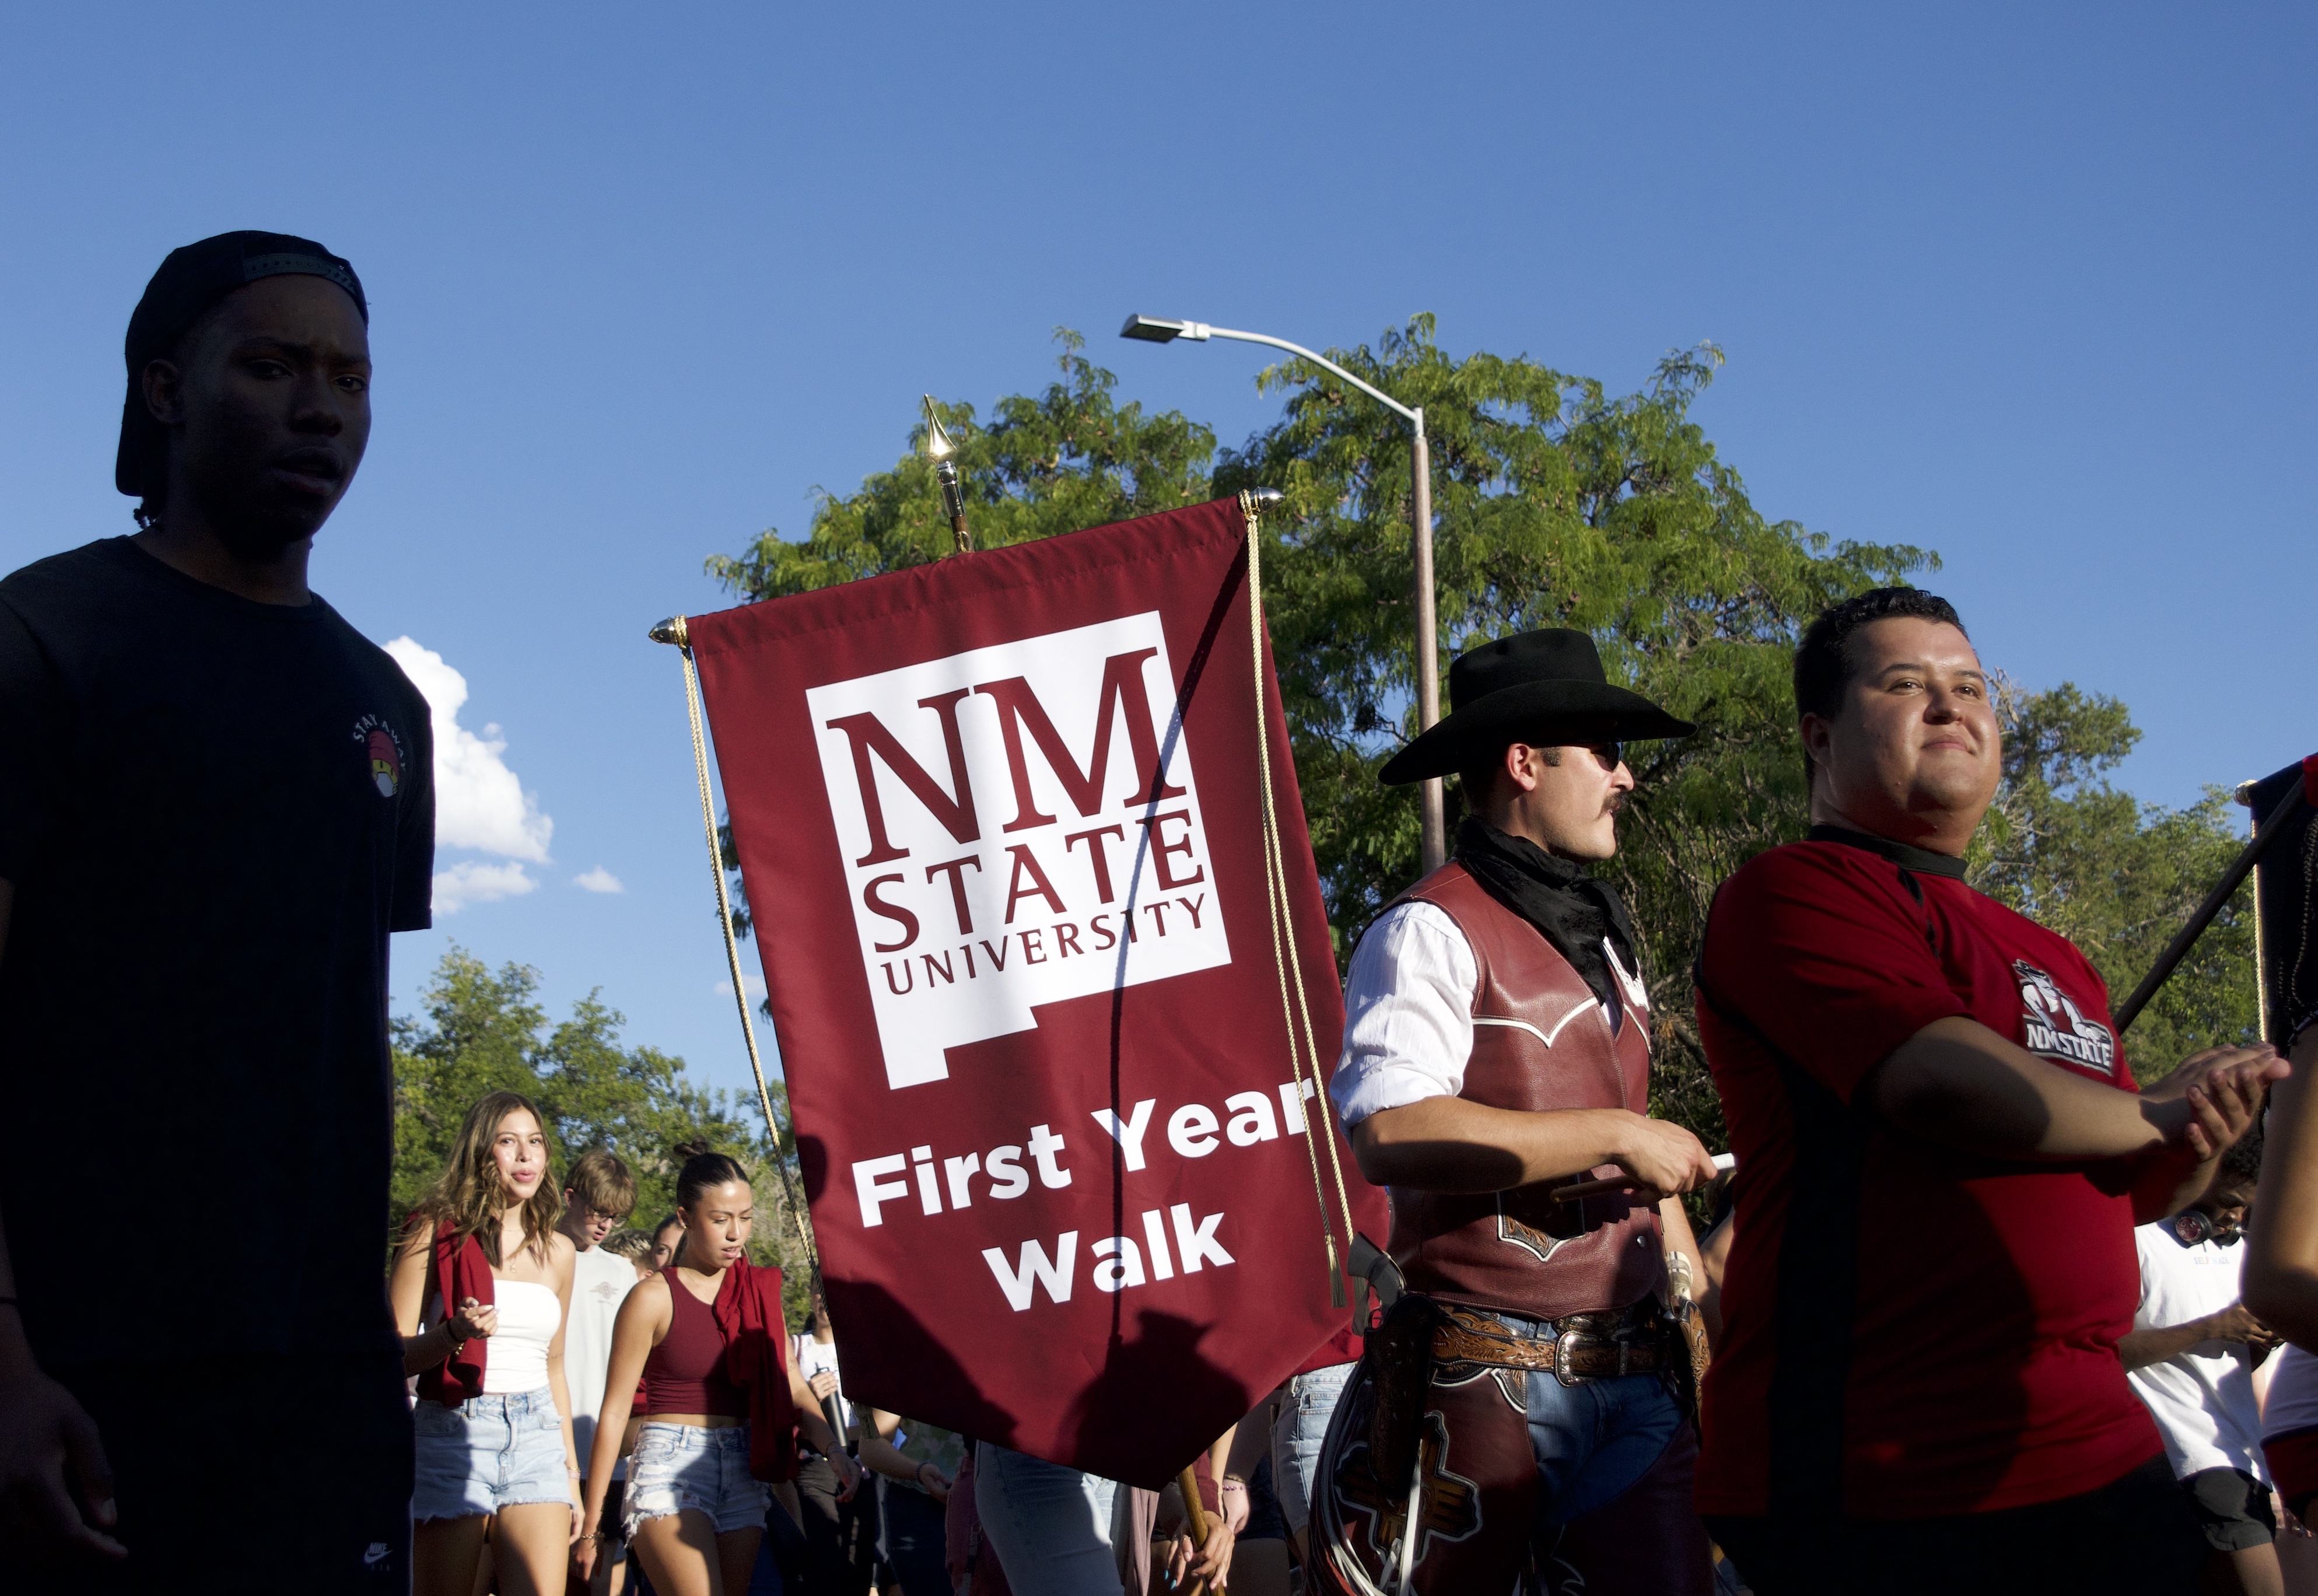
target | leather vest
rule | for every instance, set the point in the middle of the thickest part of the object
(1541, 1042)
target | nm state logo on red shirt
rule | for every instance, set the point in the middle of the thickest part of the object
(2055, 1028)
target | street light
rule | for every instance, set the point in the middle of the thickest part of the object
(1433, 831)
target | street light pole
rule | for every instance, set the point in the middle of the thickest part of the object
(1432, 831)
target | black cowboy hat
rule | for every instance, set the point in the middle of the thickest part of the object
(1534, 687)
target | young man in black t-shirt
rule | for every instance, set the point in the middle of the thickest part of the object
(216, 802)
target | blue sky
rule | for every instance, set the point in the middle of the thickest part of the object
(2030, 286)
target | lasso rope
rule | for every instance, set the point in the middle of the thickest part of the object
(1295, 1012)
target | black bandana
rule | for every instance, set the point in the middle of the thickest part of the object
(1571, 910)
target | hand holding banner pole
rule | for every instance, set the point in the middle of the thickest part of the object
(1195, 1514)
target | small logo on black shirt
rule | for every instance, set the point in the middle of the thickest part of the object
(2055, 1026)
(385, 750)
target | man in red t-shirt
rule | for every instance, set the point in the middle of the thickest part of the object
(1942, 1155)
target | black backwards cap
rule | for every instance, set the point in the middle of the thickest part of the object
(190, 281)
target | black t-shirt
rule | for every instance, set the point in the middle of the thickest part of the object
(213, 812)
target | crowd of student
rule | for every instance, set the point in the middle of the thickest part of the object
(582, 1423)
(1952, 1191)
(572, 1402)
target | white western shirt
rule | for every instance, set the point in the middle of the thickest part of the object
(1409, 1011)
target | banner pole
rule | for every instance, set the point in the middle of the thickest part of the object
(1321, 1123)
(1433, 825)
(673, 630)
(939, 449)
(2203, 915)
(2260, 953)
(1195, 1514)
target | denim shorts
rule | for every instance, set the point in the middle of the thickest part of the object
(688, 1468)
(488, 1453)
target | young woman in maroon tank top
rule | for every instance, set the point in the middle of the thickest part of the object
(694, 1513)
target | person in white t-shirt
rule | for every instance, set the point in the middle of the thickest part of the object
(841, 1535)
(2191, 1356)
(599, 1194)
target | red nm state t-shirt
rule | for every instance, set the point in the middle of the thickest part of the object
(1908, 1332)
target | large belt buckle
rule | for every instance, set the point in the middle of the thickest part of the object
(1565, 1348)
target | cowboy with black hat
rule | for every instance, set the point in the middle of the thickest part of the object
(1525, 1406)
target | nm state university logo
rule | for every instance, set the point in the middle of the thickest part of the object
(385, 751)
(2053, 1026)
(1020, 827)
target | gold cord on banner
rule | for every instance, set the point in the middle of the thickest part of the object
(673, 630)
(1295, 1010)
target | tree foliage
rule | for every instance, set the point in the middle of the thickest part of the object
(1069, 459)
(1555, 504)
(482, 1030)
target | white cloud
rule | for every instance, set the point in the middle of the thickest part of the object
(478, 803)
(598, 880)
(754, 985)
(471, 881)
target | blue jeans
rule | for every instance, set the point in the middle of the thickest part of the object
(1593, 1441)
(1297, 1435)
(915, 1547)
(1051, 1525)
(488, 1453)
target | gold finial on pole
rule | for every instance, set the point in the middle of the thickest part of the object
(671, 630)
(940, 450)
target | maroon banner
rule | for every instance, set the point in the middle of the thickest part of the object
(1000, 824)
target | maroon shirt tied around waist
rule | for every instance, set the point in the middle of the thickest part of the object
(755, 1335)
(461, 1272)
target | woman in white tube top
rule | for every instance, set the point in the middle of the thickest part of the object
(481, 1285)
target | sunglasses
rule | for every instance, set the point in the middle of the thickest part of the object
(1610, 754)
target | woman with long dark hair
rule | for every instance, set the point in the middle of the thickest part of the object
(481, 1285)
(706, 1340)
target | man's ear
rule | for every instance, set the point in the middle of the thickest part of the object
(1819, 736)
(165, 392)
(1515, 763)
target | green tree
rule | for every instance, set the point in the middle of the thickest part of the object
(1070, 458)
(1555, 504)
(482, 1030)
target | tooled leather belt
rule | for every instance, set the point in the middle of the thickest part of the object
(1584, 1347)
